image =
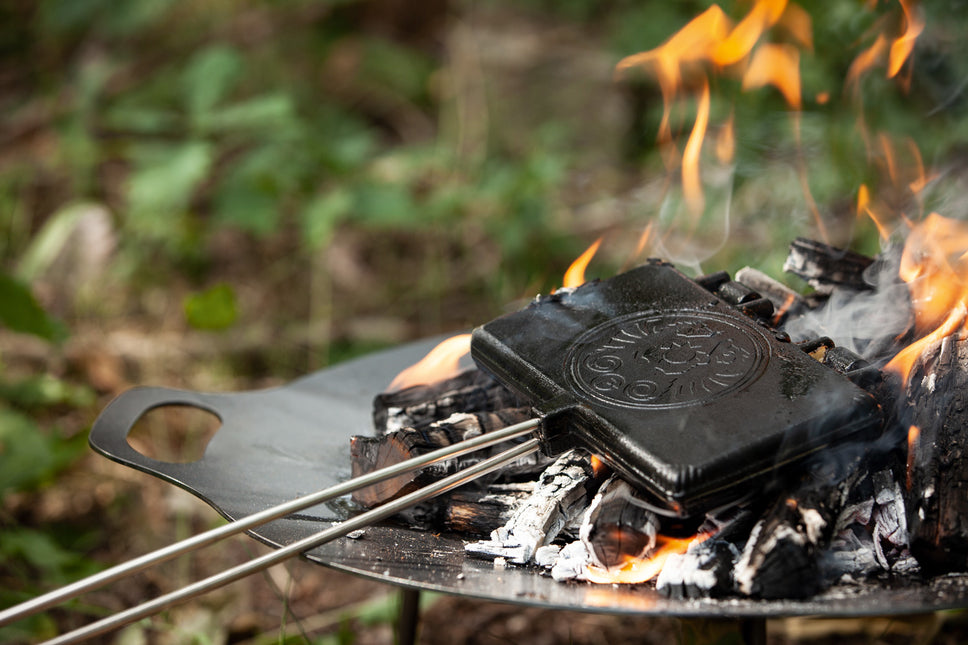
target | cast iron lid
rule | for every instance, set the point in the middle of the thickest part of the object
(690, 399)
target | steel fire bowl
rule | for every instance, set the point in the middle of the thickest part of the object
(275, 445)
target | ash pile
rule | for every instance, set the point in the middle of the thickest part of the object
(888, 507)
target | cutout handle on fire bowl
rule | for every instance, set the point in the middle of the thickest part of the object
(109, 434)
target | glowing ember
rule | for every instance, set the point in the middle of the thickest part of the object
(440, 363)
(597, 465)
(575, 275)
(641, 570)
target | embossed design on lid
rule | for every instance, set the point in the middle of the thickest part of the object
(664, 359)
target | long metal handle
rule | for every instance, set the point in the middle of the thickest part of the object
(339, 530)
(193, 543)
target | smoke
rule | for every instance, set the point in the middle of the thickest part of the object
(867, 322)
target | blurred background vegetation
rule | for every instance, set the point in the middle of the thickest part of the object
(227, 194)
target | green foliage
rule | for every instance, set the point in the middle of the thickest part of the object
(44, 391)
(214, 309)
(29, 457)
(20, 312)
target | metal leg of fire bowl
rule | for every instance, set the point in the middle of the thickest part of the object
(409, 617)
(753, 631)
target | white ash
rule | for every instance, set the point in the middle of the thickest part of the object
(871, 536)
(813, 524)
(396, 420)
(890, 532)
(571, 562)
(704, 570)
(859, 513)
(559, 495)
(546, 556)
(750, 561)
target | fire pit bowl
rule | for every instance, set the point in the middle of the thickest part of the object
(277, 444)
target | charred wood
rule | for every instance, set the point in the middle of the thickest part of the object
(786, 301)
(372, 453)
(781, 559)
(937, 467)
(560, 494)
(825, 267)
(870, 533)
(475, 515)
(420, 405)
(703, 571)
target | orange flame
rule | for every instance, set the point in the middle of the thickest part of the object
(903, 362)
(691, 183)
(903, 45)
(644, 239)
(897, 50)
(598, 466)
(864, 208)
(744, 36)
(575, 275)
(914, 434)
(865, 61)
(779, 66)
(784, 308)
(440, 363)
(711, 39)
(637, 570)
(935, 266)
(726, 142)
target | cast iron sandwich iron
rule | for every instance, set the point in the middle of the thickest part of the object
(690, 398)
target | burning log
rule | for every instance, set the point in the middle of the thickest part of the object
(559, 496)
(472, 514)
(372, 453)
(618, 525)
(781, 559)
(415, 407)
(937, 467)
(705, 570)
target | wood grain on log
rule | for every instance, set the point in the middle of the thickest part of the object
(937, 478)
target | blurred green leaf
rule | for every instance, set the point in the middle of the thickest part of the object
(258, 113)
(163, 182)
(28, 457)
(20, 312)
(403, 70)
(45, 390)
(385, 205)
(209, 77)
(214, 309)
(106, 16)
(323, 214)
(250, 195)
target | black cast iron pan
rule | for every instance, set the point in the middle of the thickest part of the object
(275, 445)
